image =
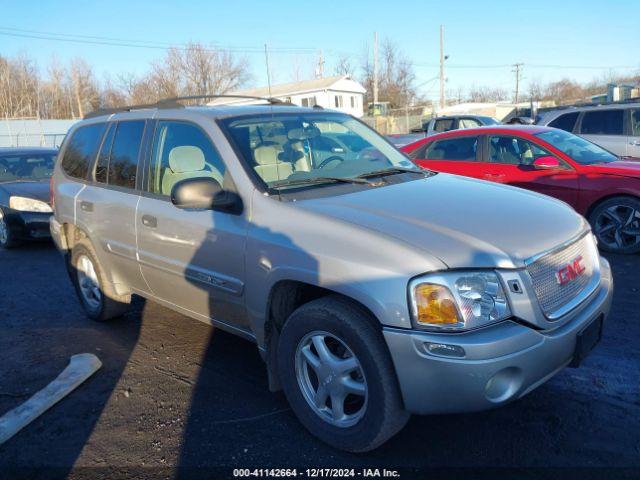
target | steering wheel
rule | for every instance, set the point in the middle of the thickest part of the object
(327, 161)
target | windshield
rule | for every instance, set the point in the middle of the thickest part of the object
(27, 166)
(288, 150)
(579, 149)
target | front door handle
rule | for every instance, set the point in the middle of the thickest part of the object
(86, 206)
(493, 176)
(635, 142)
(149, 221)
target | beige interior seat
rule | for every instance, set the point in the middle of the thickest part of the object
(187, 161)
(269, 166)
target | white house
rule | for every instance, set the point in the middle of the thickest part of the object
(338, 93)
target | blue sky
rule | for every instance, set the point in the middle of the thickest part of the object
(542, 34)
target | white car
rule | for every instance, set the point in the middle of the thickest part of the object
(614, 127)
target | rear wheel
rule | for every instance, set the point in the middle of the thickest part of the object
(338, 377)
(6, 237)
(99, 300)
(616, 224)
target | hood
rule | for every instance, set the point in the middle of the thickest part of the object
(461, 221)
(627, 167)
(38, 190)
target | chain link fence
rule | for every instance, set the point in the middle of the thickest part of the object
(399, 120)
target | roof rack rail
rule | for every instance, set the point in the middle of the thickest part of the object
(174, 102)
(127, 108)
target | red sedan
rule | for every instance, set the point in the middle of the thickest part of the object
(599, 185)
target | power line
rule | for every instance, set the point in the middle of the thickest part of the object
(534, 65)
(119, 42)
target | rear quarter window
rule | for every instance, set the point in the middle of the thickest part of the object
(82, 150)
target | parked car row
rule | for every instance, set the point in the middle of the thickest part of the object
(439, 125)
(596, 183)
(372, 288)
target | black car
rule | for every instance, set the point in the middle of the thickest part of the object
(24, 194)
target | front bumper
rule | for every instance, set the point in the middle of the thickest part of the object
(28, 225)
(502, 362)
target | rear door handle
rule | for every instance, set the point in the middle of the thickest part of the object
(86, 206)
(149, 221)
(493, 175)
(635, 142)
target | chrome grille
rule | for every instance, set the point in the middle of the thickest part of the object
(554, 297)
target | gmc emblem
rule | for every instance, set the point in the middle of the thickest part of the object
(571, 271)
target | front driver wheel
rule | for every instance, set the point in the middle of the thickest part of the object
(6, 237)
(337, 375)
(616, 224)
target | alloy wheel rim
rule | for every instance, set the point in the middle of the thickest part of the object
(88, 282)
(618, 227)
(331, 379)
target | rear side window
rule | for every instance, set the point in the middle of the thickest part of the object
(458, 149)
(102, 165)
(123, 160)
(565, 122)
(602, 122)
(82, 150)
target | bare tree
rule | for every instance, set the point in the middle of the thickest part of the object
(487, 94)
(396, 76)
(564, 91)
(344, 66)
(85, 87)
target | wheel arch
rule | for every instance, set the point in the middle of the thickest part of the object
(608, 197)
(71, 235)
(284, 298)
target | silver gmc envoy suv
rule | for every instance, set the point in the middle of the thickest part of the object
(372, 289)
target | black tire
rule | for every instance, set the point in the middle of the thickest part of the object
(110, 304)
(384, 414)
(7, 240)
(610, 222)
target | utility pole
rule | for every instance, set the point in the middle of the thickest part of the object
(441, 66)
(375, 71)
(517, 70)
(266, 59)
(320, 68)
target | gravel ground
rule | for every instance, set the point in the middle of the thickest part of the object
(176, 392)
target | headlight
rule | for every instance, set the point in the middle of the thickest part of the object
(458, 300)
(28, 205)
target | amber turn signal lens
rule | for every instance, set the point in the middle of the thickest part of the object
(435, 305)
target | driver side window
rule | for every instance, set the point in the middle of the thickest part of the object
(180, 151)
(514, 151)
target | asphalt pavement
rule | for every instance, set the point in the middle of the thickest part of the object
(174, 392)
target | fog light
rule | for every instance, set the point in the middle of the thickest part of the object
(445, 350)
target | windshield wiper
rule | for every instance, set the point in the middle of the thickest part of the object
(318, 180)
(391, 171)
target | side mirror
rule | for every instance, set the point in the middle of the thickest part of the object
(205, 193)
(547, 162)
